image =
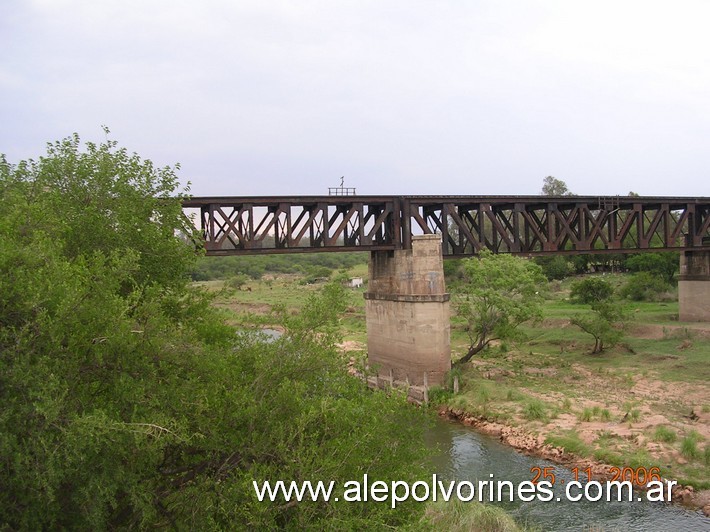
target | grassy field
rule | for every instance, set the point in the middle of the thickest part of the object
(643, 403)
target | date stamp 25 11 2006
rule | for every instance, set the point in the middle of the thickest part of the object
(639, 476)
(623, 481)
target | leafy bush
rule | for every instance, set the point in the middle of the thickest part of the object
(591, 290)
(580, 263)
(664, 265)
(237, 281)
(644, 286)
(554, 267)
(128, 403)
(438, 395)
(605, 324)
(453, 270)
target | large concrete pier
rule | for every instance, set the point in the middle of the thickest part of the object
(407, 313)
(694, 286)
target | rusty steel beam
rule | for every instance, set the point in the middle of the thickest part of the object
(298, 224)
(523, 225)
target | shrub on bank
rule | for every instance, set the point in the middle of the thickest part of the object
(645, 286)
(591, 290)
(129, 402)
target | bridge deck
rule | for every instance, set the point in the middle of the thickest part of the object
(526, 225)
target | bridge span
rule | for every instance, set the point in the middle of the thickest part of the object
(407, 306)
(526, 225)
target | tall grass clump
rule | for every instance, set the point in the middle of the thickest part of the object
(458, 516)
(585, 415)
(570, 442)
(535, 410)
(689, 448)
(664, 434)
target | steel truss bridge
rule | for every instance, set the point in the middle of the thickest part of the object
(523, 225)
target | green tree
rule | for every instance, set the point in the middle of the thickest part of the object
(453, 271)
(664, 265)
(128, 402)
(237, 281)
(644, 286)
(500, 293)
(104, 199)
(552, 186)
(591, 290)
(580, 263)
(554, 266)
(605, 324)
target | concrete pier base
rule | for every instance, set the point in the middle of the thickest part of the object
(407, 313)
(694, 286)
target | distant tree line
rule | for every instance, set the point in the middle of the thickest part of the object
(653, 272)
(255, 266)
(664, 264)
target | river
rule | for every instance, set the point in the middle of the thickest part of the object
(462, 453)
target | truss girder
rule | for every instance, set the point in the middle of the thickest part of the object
(289, 225)
(526, 225)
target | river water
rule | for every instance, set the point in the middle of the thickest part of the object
(461, 453)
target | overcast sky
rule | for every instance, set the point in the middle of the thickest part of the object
(260, 97)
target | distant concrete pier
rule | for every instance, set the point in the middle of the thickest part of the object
(694, 286)
(407, 313)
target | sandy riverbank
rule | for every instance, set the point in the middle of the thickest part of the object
(534, 445)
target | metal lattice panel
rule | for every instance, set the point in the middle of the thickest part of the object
(299, 224)
(527, 225)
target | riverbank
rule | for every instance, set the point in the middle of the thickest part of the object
(536, 445)
(642, 404)
(623, 408)
(564, 431)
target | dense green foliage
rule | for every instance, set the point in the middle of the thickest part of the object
(551, 186)
(454, 272)
(208, 268)
(663, 265)
(605, 324)
(127, 402)
(554, 266)
(644, 286)
(591, 290)
(654, 276)
(500, 293)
